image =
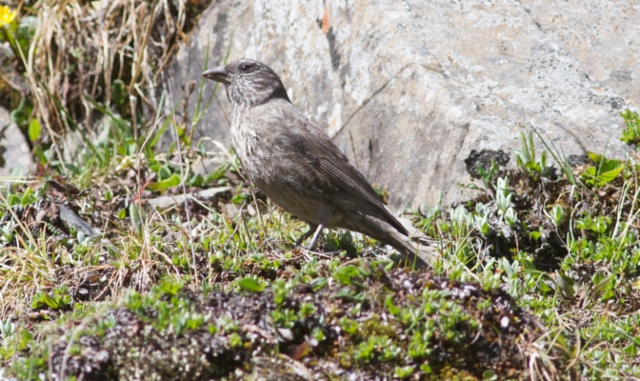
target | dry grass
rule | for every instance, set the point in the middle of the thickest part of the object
(110, 52)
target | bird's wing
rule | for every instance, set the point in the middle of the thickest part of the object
(325, 157)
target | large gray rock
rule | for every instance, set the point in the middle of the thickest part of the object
(408, 89)
(15, 155)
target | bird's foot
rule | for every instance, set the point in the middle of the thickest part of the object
(306, 235)
(314, 230)
(314, 240)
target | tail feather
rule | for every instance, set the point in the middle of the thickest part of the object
(418, 256)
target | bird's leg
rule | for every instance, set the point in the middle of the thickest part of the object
(307, 234)
(323, 216)
(314, 240)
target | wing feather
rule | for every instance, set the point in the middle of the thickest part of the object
(332, 164)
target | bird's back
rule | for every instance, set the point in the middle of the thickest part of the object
(298, 166)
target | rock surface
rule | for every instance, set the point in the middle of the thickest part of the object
(408, 89)
(14, 150)
(210, 195)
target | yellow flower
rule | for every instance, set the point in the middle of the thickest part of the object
(6, 15)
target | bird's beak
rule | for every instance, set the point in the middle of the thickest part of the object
(218, 74)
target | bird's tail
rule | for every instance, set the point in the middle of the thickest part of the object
(420, 256)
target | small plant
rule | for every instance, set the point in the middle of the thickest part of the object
(426, 218)
(59, 298)
(604, 171)
(349, 326)
(482, 221)
(348, 275)
(595, 224)
(488, 175)
(376, 347)
(461, 219)
(18, 32)
(403, 372)
(556, 216)
(526, 158)
(631, 132)
(251, 284)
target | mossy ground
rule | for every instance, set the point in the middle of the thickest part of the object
(127, 303)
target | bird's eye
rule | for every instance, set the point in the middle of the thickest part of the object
(244, 67)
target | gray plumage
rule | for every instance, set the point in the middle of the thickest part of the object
(296, 164)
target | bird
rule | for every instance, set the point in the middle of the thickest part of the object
(297, 165)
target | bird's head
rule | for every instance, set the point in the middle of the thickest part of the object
(248, 82)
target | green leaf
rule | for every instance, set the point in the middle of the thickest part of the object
(239, 198)
(610, 164)
(165, 184)
(533, 166)
(489, 375)
(565, 284)
(170, 286)
(597, 278)
(195, 181)
(14, 200)
(609, 176)
(594, 157)
(344, 275)
(164, 172)
(25, 30)
(404, 371)
(39, 153)
(318, 283)
(544, 287)
(631, 133)
(393, 309)
(25, 338)
(118, 92)
(28, 197)
(631, 349)
(136, 218)
(34, 130)
(44, 298)
(250, 284)
(608, 295)
(607, 170)
(426, 368)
